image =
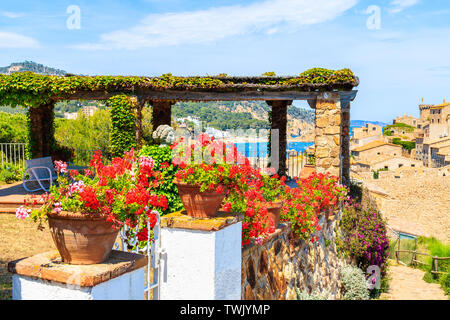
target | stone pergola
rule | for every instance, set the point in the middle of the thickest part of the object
(331, 101)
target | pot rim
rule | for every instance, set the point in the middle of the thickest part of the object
(184, 184)
(69, 215)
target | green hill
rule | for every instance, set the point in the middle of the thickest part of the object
(31, 66)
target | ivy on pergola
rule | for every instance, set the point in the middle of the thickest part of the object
(40, 92)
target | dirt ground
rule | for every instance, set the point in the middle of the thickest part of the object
(18, 239)
(408, 284)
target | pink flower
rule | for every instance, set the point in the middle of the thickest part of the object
(22, 213)
(146, 162)
(58, 208)
(76, 187)
(61, 166)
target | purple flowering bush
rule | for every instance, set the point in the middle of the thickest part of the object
(364, 237)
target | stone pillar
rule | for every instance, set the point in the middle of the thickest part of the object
(202, 257)
(279, 122)
(162, 112)
(44, 277)
(41, 130)
(345, 143)
(327, 141)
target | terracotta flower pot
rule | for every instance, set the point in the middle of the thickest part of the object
(80, 238)
(274, 212)
(307, 170)
(199, 204)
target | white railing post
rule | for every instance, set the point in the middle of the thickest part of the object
(152, 250)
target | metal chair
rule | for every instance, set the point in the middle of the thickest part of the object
(39, 170)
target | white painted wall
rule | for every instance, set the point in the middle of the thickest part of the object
(129, 286)
(201, 265)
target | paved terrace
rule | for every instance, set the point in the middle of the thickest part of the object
(13, 195)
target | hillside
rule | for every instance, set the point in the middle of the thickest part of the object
(31, 66)
(225, 115)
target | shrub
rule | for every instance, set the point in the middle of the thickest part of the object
(123, 133)
(364, 237)
(407, 145)
(162, 156)
(354, 283)
(445, 282)
(10, 173)
(355, 191)
(438, 249)
(313, 296)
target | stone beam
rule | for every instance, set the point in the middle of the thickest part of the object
(279, 122)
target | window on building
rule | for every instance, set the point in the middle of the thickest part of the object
(413, 165)
(400, 165)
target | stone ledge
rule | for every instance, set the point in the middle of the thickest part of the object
(48, 266)
(180, 220)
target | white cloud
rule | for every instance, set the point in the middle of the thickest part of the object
(400, 5)
(221, 22)
(11, 15)
(15, 40)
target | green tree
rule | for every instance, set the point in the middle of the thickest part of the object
(85, 134)
(13, 128)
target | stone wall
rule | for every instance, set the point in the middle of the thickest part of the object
(274, 269)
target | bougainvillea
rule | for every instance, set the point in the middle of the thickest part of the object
(121, 192)
(364, 236)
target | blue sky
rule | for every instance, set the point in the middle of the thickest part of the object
(401, 59)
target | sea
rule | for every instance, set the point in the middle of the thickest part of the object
(259, 149)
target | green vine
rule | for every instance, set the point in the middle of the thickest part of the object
(31, 90)
(123, 133)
